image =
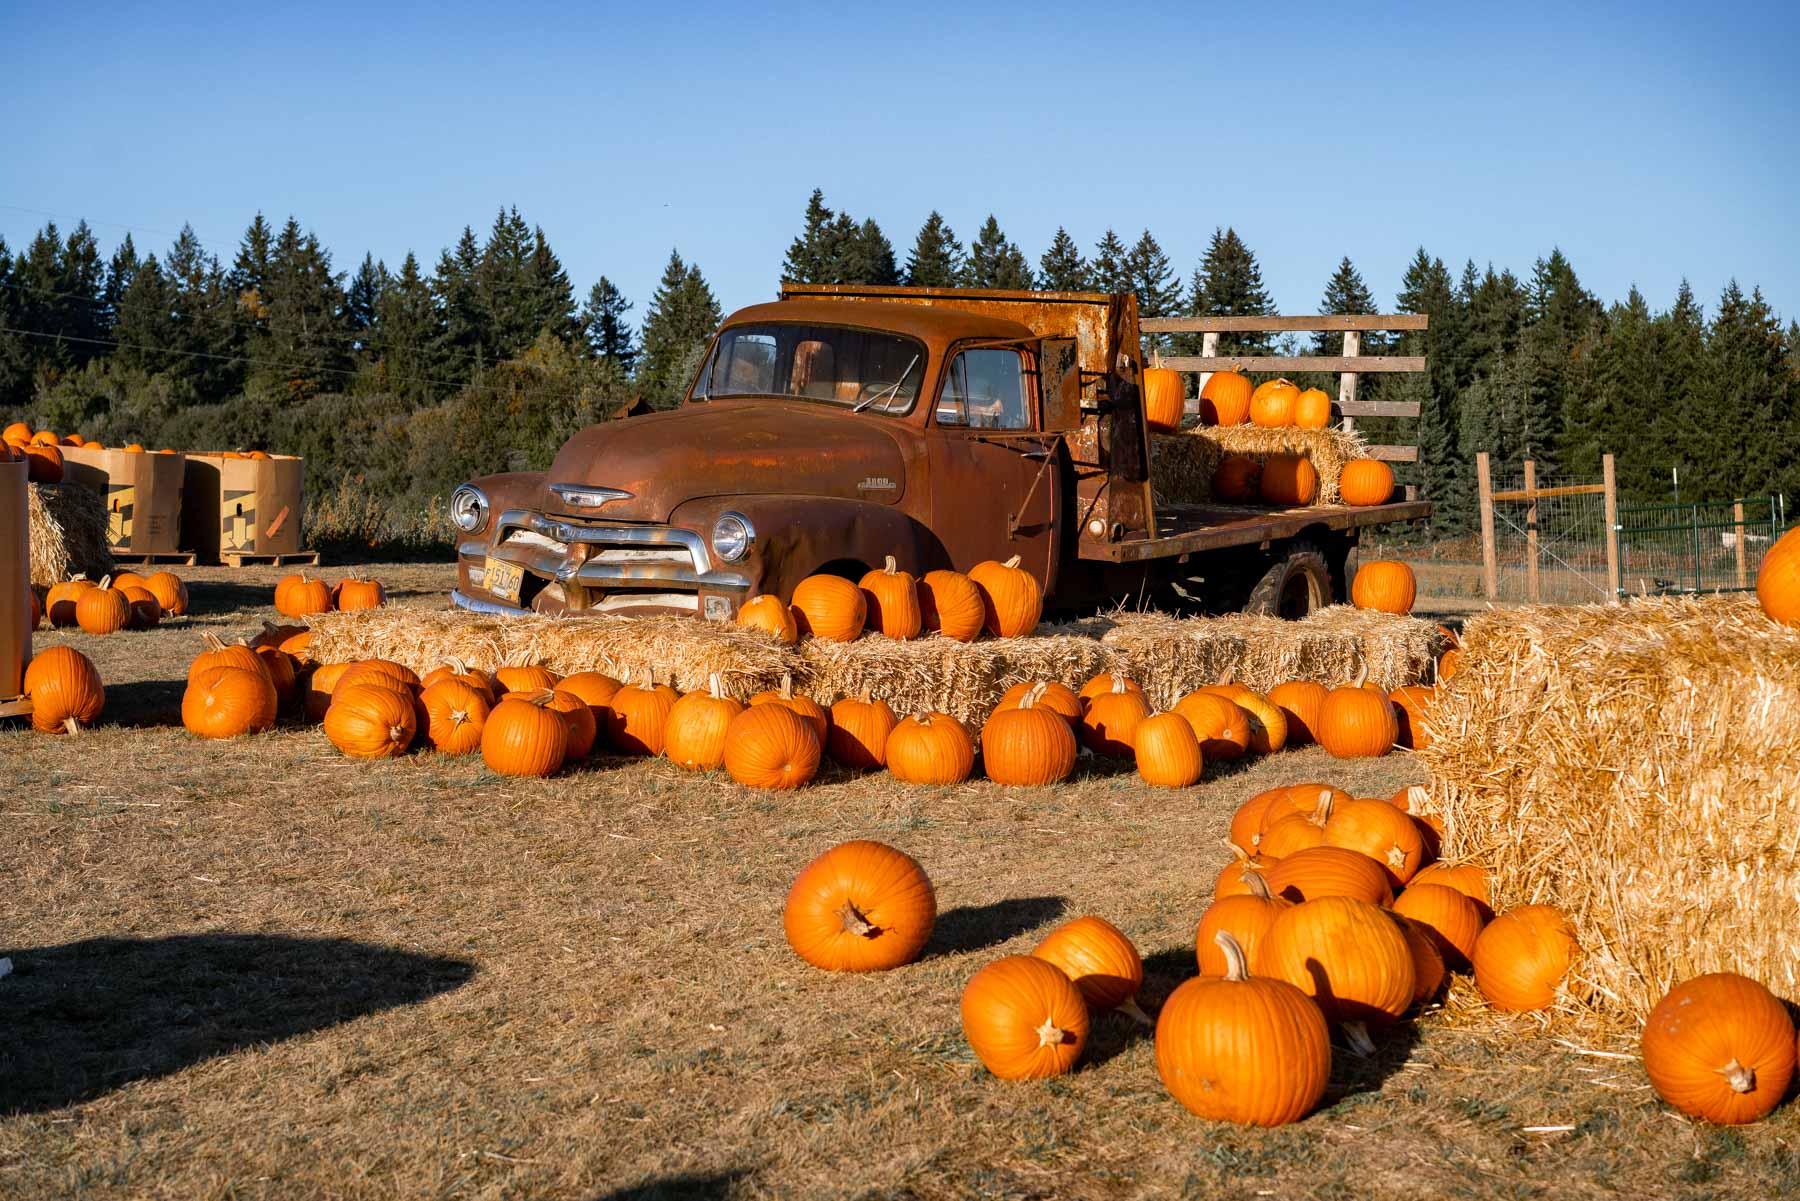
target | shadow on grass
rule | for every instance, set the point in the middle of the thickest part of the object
(144, 703)
(85, 1018)
(693, 1186)
(225, 598)
(976, 927)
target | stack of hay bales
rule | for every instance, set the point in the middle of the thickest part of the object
(1638, 767)
(1182, 465)
(68, 534)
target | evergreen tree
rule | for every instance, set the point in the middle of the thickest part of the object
(404, 332)
(1748, 391)
(1445, 470)
(810, 257)
(936, 260)
(15, 358)
(119, 272)
(303, 350)
(362, 299)
(552, 296)
(146, 329)
(865, 256)
(1229, 283)
(603, 320)
(1107, 269)
(460, 348)
(1062, 269)
(1625, 408)
(249, 277)
(1347, 295)
(504, 287)
(682, 315)
(995, 262)
(203, 320)
(1148, 273)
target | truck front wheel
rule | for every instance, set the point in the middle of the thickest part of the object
(1293, 586)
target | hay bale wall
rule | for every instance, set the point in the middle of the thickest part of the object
(68, 533)
(1638, 766)
(1182, 464)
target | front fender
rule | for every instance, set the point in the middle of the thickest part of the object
(796, 536)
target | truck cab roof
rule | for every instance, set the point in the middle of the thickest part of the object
(936, 327)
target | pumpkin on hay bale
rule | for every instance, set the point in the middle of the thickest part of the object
(1638, 767)
(1182, 465)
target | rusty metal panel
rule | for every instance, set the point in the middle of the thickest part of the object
(1060, 374)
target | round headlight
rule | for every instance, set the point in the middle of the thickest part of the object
(732, 535)
(468, 508)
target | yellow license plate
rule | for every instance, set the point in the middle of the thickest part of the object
(503, 579)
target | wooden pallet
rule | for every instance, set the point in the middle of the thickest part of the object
(15, 708)
(175, 558)
(244, 558)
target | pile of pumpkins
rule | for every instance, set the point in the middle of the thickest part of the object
(1353, 933)
(42, 450)
(1001, 599)
(125, 601)
(303, 596)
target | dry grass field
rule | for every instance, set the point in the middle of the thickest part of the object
(258, 969)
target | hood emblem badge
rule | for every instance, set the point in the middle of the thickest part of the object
(876, 483)
(584, 496)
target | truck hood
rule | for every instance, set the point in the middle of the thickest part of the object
(728, 448)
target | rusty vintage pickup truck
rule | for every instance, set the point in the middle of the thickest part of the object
(841, 424)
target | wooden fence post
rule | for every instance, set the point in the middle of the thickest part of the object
(1531, 532)
(1611, 482)
(1209, 346)
(1490, 571)
(1347, 379)
(1737, 524)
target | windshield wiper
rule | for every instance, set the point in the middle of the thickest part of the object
(887, 392)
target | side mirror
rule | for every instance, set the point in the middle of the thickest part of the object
(1059, 375)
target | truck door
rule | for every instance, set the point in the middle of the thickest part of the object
(995, 480)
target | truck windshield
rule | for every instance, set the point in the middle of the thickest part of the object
(857, 368)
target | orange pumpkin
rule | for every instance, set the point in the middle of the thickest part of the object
(316, 699)
(59, 601)
(929, 748)
(1777, 580)
(1237, 479)
(1470, 879)
(456, 669)
(1449, 664)
(1046, 694)
(1234, 879)
(145, 612)
(523, 736)
(1099, 960)
(1451, 917)
(1011, 599)
(353, 595)
(65, 690)
(1381, 832)
(1272, 404)
(771, 746)
(1024, 1018)
(1522, 957)
(1104, 683)
(1312, 410)
(1409, 711)
(1225, 399)
(1385, 586)
(102, 609)
(278, 666)
(456, 713)
(226, 702)
(1165, 398)
(1429, 972)
(301, 596)
(1357, 723)
(830, 607)
(695, 732)
(370, 721)
(579, 718)
(1366, 482)
(1027, 746)
(891, 597)
(858, 732)
(1323, 871)
(1109, 723)
(950, 603)
(1350, 957)
(1246, 916)
(1222, 728)
(1168, 754)
(596, 688)
(1720, 1047)
(170, 593)
(862, 906)
(44, 464)
(522, 675)
(637, 716)
(768, 614)
(1289, 480)
(1300, 702)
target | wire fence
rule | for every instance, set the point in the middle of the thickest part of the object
(1706, 547)
(1550, 547)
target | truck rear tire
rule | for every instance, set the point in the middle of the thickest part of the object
(1295, 585)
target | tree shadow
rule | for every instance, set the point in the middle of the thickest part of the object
(88, 1017)
(1112, 1034)
(977, 927)
(144, 703)
(689, 1186)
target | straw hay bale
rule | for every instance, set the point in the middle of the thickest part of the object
(1396, 651)
(68, 533)
(1638, 766)
(677, 650)
(1182, 464)
(963, 679)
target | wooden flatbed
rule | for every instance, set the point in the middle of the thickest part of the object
(1186, 529)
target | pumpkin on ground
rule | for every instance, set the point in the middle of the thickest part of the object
(1452, 918)
(1720, 1047)
(1045, 694)
(1385, 586)
(1272, 404)
(523, 736)
(1246, 917)
(278, 666)
(929, 748)
(1100, 961)
(1295, 832)
(1381, 832)
(1234, 880)
(145, 612)
(521, 675)
(226, 702)
(771, 746)
(1350, 957)
(1241, 1048)
(59, 601)
(1312, 409)
(1268, 724)
(302, 596)
(385, 672)
(1247, 821)
(768, 614)
(1470, 879)
(1165, 399)
(1027, 746)
(459, 670)
(370, 721)
(1104, 683)
(1366, 482)
(1300, 702)
(579, 718)
(169, 591)
(1302, 799)
(1429, 970)
(1777, 581)
(814, 714)
(316, 697)
(1289, 480)
(950, 603)
(1222, 728)
(695, 732)
(862, 906)
(1357, 723)
(1522, 957)
(1410, 704)
(1168, 754)
(102, 609)
(456, 713)
(1237, 479)
(1109, 724)
(637, 716)
(65, 690)
(857, 734)
(1011, 600)
(1323, 871)
(891, 597)
(352, 595)
(830, 607)
(1024, 1019)
(1225, 398)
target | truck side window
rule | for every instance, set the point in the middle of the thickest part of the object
(985, 389)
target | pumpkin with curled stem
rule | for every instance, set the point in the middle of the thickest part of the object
(809, 710)
(862, 906)
(456, 713)
(1246, 916)
(772, 616)
(1100, 961)
(1011, 598)
(1349, 956)
(1024, 1018)
(1110, 722)
(65, 690)
(1720, 1047)
(1027, 746)
(891, 601)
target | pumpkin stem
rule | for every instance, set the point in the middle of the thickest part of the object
(1014, 561)
(1118, 685)
(74, 727)
(1156, 358)
(105, 581)
(1032, 695)
(1129, 1007)
(540, 698)
(892, 565)
(1322, 811)
(458, 666)
(1050, 1034)
(1362, 677)
(1741, 1079)
(1416, 795)
(716, 686)
(855, 922)
(1237, 964)
(1356, 1035)
(787, 685)
(212, 641)
(1258, 886)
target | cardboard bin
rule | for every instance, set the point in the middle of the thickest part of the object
(15, 579)
(142, 494)
(200, 505)
(261, 505)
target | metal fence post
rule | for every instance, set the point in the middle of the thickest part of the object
(1612, 529)
(1531, 532)
(1737, 541)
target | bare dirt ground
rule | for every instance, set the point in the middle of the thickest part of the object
(258, 969)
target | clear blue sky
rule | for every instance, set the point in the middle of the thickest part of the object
(1649, 142)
